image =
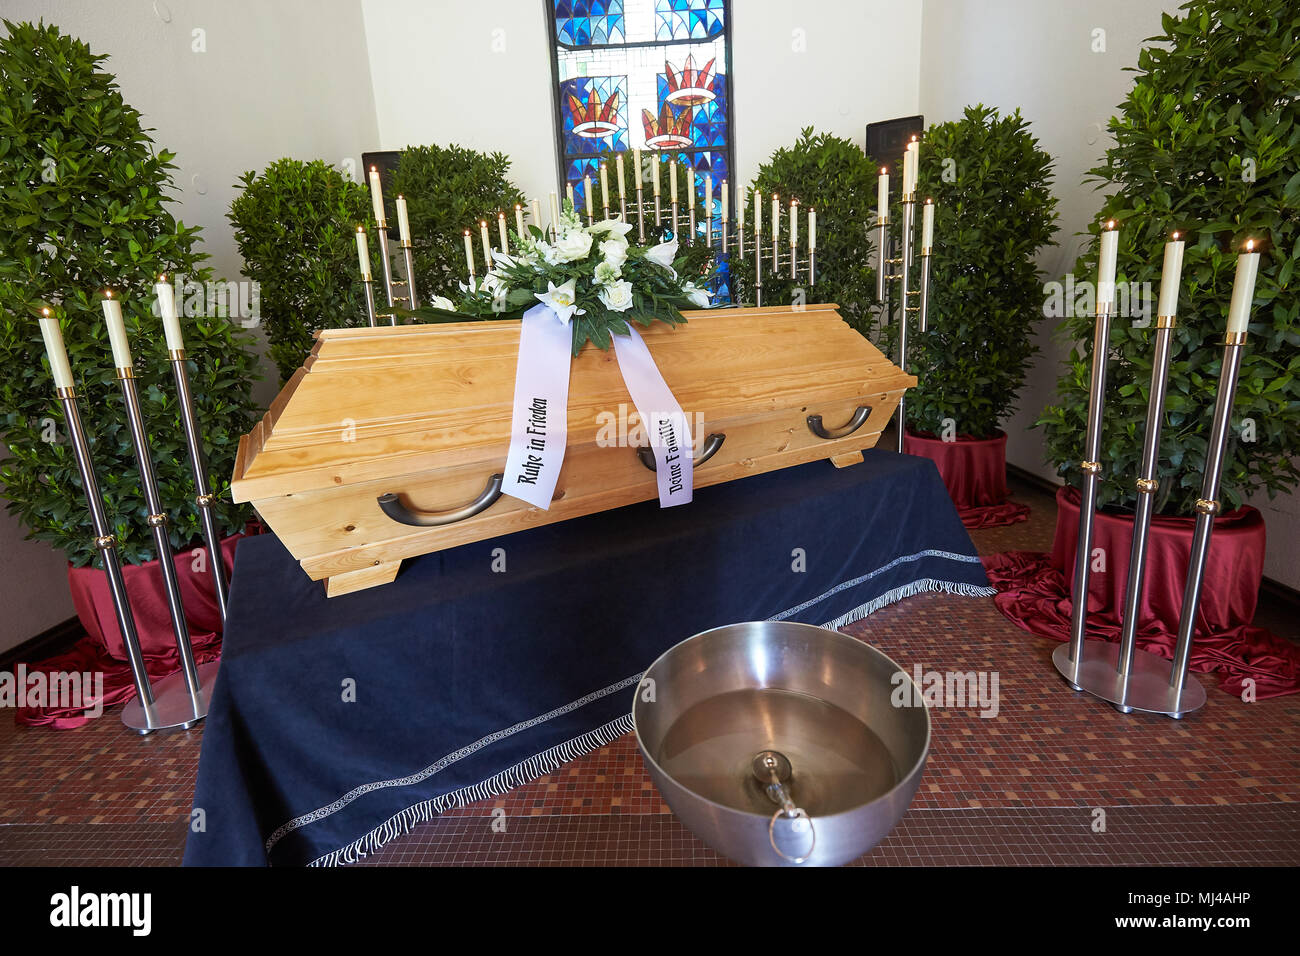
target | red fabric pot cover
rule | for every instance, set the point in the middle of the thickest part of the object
(975, 472)
(102, 648)
(1034, 593)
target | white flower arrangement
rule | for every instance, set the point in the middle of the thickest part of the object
(592, 278)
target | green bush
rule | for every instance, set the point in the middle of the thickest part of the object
(448, 190)
(994, 211)
(83, 200)
(1207, 145)
(833, 176)
(295, 225)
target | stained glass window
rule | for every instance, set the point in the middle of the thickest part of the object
(652, 74)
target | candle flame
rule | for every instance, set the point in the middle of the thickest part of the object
(163, 277)
(1175, 236)
(45, 313)
(884, 170)
(1250, 244)
(482, 222)
(361, 229)
(466, 232)
(1110, 224)
(374, 169)
(929, 201)
(108, 293)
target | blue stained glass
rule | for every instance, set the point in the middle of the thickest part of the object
(589, 22)
(575, 142)
(688, 19)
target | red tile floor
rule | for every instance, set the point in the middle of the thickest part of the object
(1221, 787)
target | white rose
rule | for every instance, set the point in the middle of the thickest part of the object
(614, 251)
(607, 273)
(617, 296)
(441, 302)
(573, 245)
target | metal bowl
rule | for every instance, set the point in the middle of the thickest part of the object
(710, 711)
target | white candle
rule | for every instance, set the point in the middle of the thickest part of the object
(501, 232)
(363, 254)
(568, 191)
(604, 185)
(724, 201)
(909, 171)
(537, 212)
(1243, 290)
(117, 332)
(586, 191)
(776, 216)
(927, 226)
(469, 251)
(1106, 266)
(882, 193)
(758, 213)
(794, 222)
(54, 349)
(487, 244)
(636, 163)
(672, 180)
(555, 212)
(1171, 276)
(812, 230)
(708, 196)
(403, 223)
(376, 195)
(740, 210)
(622, 179)
(519, 220)
(170, 318)
(657, 164)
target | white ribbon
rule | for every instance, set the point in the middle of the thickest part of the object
(539, 427)
(661, 417)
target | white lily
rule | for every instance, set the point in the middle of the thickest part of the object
(442, 302)
(663, 255)
(563, 300)
(698, 295)
(615, 226)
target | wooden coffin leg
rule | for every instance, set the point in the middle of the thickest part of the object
(843, 461)
(381, 572)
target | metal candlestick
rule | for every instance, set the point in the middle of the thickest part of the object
(640, 212)
(369, 286)
(622, 205)
(923, 315)
(1147, 485)
(658, 212)
(382, 229)
(882, 254)
(909, 221)
(204, 498)
(1091, 467)
(191, 689)
(674, 218)
(758, 257)
(106, 544)
(1185, 691)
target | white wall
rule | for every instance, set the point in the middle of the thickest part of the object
(438, 80)
(288, 78)
(1038, 56)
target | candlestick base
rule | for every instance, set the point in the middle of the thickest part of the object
(1149, 689)
(173, 708)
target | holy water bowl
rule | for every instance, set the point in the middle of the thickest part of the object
(778, 744)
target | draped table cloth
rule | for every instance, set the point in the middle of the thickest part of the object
(974, 470)
(337, 724)
(1034, 593)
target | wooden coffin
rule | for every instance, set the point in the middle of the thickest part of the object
(422, 413)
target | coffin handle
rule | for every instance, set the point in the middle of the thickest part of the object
(859, 417)
(393, 506)
(711, 445)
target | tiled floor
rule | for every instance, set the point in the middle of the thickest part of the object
(1024, 787)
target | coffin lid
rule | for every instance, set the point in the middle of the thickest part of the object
(374, 403)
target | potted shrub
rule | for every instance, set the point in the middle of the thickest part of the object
(83, 196)
(295, 225)
(994, 212)
(449, 189)
(833, 176)
(1206, 145)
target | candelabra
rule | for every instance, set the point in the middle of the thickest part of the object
(1124, 675)
(905, 262)
(395, 290)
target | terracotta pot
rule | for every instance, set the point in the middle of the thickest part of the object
(974, 470)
